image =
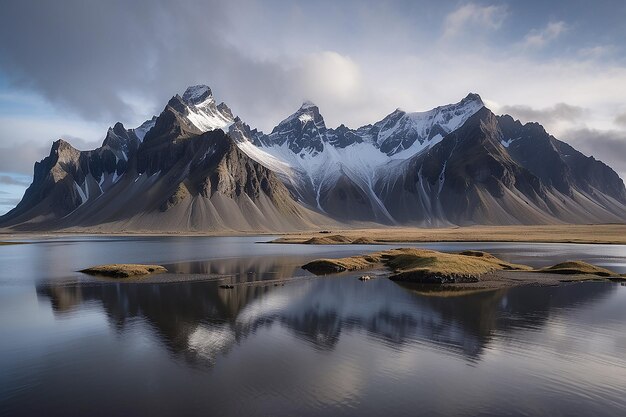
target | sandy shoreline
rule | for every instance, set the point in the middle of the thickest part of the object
(588, 234)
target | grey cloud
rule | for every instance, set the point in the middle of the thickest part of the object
(107, 59)
(609, 146)
(80, 57)
(9, 201)
(539, 38)
(11, 180)
(79, 143)
(558, 112)
(122, 60)
(20, 158)
(476, 16)
(621, 119)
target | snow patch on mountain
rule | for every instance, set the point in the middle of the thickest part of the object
(205, 118)
(305, 118)
(300, 148)
(203, 112)
(141, 131)
(507, 142)
(267, 159)
(83, 195)
(400, 130)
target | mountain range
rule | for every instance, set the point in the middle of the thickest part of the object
(197, 167)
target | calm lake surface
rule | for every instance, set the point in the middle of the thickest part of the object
(74, 345)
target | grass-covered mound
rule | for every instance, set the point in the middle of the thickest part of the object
(419, 265)
(363, 241)
(457, 273)
(425, 266)
(123, 270)
(328, 240)
(578, 268)
(353, 263)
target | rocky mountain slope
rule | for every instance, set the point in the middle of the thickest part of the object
(456, 164)
(176, 178)
(470, 177)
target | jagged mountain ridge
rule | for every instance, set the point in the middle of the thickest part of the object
(354, 174)
(455, 164)
(68, 177)
(326, 166)
(176, 177)
(470, 175)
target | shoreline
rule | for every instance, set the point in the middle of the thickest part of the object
(608, 234)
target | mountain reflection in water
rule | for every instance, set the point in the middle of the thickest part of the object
(78, 345)
(198, 321)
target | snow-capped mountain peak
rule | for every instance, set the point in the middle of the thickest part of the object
(438, 167)
(401, 131)
(202, 111)
(473, 97)
(311, 157)
(303, 130)
(314, 158)
(197, 94)
(307, 104)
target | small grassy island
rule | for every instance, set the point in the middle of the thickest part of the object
(419, 265)
(469, 269)
(123, 270)
(578, 268)
(329, 240)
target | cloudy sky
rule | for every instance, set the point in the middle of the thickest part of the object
(72, 68)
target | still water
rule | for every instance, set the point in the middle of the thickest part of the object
(74, 345)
